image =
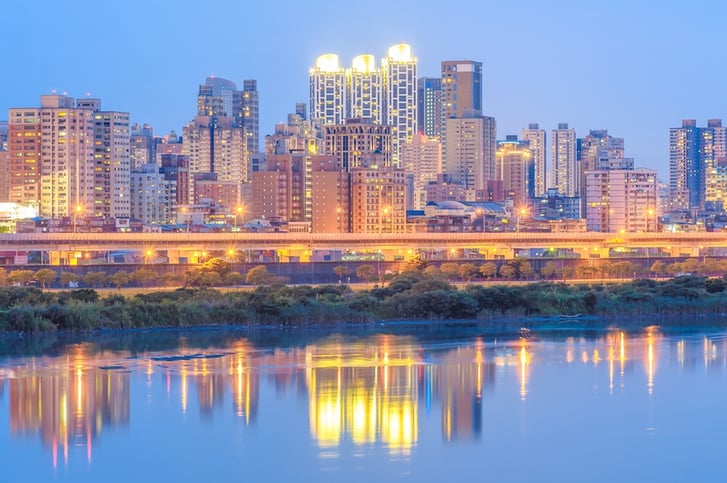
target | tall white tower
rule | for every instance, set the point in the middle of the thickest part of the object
(399, 70)
(327, 91)
(563, 156)
(536, 139)
(365, 89)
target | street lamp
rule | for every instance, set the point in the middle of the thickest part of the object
(76, 211)
(649, 215)
(521, 214)
(187, 215)
(238, 212)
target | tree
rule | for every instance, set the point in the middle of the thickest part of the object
(69, 278)
(203, 278)
(45, 277)
(468, 270)
(341, 271)
(433, 272)
(416, 263)
(450, 270)
(259, 276)
(94, 279)
(366, 272)
(508, 271)
(217, 265)
(526, 270)
(3, 277)
(119, 278)
(658, 268)
(168, 279)
(20, 277)
(488, 270)
(549, 270)
(145, 277)
(233, 278)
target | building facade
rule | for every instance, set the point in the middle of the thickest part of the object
(516, 170)
(365, 89)
(563, 156)
(429, 109)
(622, 200)
(536, 139)
(399, 70)
(328, 93)
(470, 158)
(378, 199)
(421, 158)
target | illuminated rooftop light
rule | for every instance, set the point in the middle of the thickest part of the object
(328, 63)
(401, 53)
(364, 63)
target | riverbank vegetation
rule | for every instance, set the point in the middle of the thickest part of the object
(417, 294)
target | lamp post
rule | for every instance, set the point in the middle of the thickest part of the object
(521, 214)
(238, 212)
(187, 215)
(76, 211)
(649, 215)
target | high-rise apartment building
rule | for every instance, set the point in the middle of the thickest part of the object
(220, 98)
(215, 145)
(328, 94)
(716, 178)
(365, 89)
(537, 142)
(152, 195)
(112, 168)
(461, 92)
(429, 109)
(598, 151)
(69, 158)
(4, 162)
(470, 159)
(461, 88)
(378, 199)
(622, 199)
(516, 170)
(421, 158)
(691, 154)
(249, 114)
(298, 134)
(142, 146)
(563, 159)
(357, 139)
(399, 70)
(330, 202)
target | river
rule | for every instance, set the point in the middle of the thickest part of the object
(365, 405)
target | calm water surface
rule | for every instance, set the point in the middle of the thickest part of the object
(231, 406)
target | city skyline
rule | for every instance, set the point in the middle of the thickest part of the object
(622, 74)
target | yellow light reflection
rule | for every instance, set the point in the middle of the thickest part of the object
(524, 363)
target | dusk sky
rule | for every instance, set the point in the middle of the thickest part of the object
(634, 68)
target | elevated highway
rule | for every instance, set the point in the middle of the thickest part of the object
(73, 248)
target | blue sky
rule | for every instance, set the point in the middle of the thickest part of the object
(633, 67)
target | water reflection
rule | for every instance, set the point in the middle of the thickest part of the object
(69, 400)
(369, 391)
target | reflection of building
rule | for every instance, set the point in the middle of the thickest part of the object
(369, 396)
(463, 375)
(69, 400)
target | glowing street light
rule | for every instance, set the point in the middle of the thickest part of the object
(187, 215)
(238, 212)
(76, 212)
(522, 212)
(649, 215)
